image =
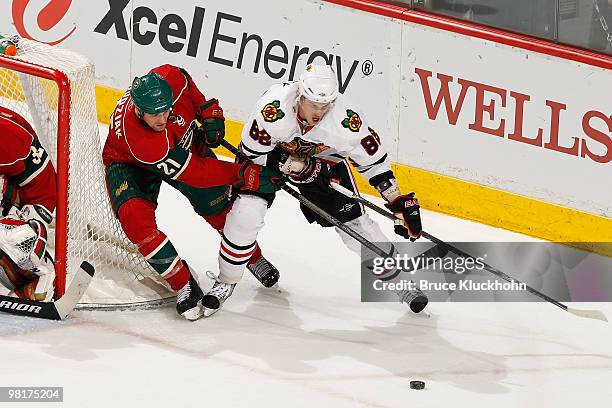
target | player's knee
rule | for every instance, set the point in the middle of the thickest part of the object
(217, 221)
(247, 214)
(137, 218)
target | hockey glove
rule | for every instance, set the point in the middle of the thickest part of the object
(258, 179)
(406, 208)
(31, 212)
(213, 122)
(306, 170)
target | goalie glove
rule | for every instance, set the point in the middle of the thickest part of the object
(406, 208)
(31, 212)
(213, 122)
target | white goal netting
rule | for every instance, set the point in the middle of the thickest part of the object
(123, 278)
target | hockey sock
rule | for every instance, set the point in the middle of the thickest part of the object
(161, 255)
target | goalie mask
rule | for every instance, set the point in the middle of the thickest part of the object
(318, 83)
(151, 94)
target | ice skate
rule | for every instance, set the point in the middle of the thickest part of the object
(188, 300)
(264, 271)
(217, 295)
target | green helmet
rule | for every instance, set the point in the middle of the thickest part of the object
(151, 93)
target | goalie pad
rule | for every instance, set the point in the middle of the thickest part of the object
(25, 244)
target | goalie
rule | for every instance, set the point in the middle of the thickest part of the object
(28, 198)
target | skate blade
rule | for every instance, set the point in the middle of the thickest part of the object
(209, 312)
(193, 314)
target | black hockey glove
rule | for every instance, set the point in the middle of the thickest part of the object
(406, 208)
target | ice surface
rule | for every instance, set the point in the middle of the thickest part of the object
(314, 344)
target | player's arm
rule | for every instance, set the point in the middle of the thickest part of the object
(257, 140)
(26, 164)
(8, 195)
(181, 165)
(38, 182)
(269, 125)
(208, 112)
(371, 160)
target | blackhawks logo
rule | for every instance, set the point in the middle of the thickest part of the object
(272, 112)
(352, 122)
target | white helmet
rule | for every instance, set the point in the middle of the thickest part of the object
(318, 83)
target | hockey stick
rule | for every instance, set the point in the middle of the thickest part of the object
(57, 310)
(96, 234)
(415, 299)
(315, 208)
(406, 296)
(590, 314)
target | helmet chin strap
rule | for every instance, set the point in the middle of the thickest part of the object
(297, 101)
(138, 112)
(302, 121)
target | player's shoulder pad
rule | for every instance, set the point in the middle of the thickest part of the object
(16, 138)
(146, 145)
(276, 108)
(347, 116)
(176, 77)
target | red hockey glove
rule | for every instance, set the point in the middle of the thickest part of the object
(406, 208)
(213, 122)
(258, 179)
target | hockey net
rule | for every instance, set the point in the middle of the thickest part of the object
(54, 90)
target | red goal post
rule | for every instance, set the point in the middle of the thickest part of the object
(63, 133)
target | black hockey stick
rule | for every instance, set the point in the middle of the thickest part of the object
(57, 310)
(312, 206)
(591, 314)
(415, 299)
(432, 252)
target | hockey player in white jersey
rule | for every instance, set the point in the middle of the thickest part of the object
(309, 131)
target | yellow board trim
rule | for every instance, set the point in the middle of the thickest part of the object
(463, 199)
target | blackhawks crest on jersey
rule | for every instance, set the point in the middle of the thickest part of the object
(272, 112)
(352, 122)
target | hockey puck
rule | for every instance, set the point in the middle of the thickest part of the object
(417, 385)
